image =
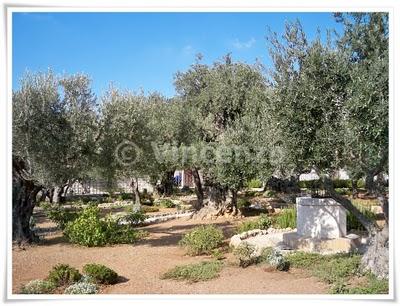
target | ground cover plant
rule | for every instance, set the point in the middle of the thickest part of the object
(338, 270)
(197, 272)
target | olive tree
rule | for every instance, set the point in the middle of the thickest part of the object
(54, 131)
(220, 96)
(125, 142)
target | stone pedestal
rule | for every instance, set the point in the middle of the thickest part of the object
(321, 218)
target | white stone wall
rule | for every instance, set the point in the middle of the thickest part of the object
(320, 218)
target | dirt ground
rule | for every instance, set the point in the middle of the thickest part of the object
(141, 265)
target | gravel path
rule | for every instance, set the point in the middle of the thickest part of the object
(141, 265)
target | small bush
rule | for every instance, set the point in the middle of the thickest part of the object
(38, 286)
(202, 271)
(263, 222)
(287, 218)
(135, 218)
(338, 183)
(276, 260)
(360, 183)
(245, 253)
(265, 253)
(217, 254)
(243, 203)
(167, 203)
(100, 273)
(89, 230)
(81, 288)
(59, 215)
(269, 194)
(255, 183)
(202, 240)
(63, 274)
(146, 198)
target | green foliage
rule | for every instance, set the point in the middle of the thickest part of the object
(135, 218)
(338, 183)
(202, 240)
(243, 203)
(217, 254)
(167, 203)
(100, 273)
(335, 270)
(278, 261)
(63, 274)
(90, 230)
(59, 215)
(287, 218)
(361, 183)
(124, 196)
(38, 286)
(353, 223)
(244, 253)
(372, 286)
(81, 288)
(202, 271)
(254, 183)
(265, 253)
(262, 222)
(269, 194)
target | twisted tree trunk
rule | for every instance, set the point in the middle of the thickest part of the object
(198, 189)
(135, 188)
(23, 203)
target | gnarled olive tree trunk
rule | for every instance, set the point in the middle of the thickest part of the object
(23, 203)
(198, 189)
(220, 202)
(135, 188)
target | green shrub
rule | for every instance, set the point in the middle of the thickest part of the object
(265, 253)
(353, 223)
(269, 194)
(135, 218)
(89, 230)
(81, 288)
(63, 274)
(100, 273)
(361, 183)
(165, 203)
(59, 215)
(344, 191)
(202, 240)
(243, 203)
(38, 286)
(202, 271)
(276, 260)
(287, 218)
(217, 254)
(245, 254)
(339, 183)
(124, 196)
(262, 222)
(305, 260)
(255, 183)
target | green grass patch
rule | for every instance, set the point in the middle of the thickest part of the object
(337, 271)
(202, 271)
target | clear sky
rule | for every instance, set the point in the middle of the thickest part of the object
(144, 50)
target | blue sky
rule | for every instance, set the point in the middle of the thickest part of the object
(144, 50)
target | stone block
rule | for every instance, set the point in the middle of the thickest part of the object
(321, 218)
